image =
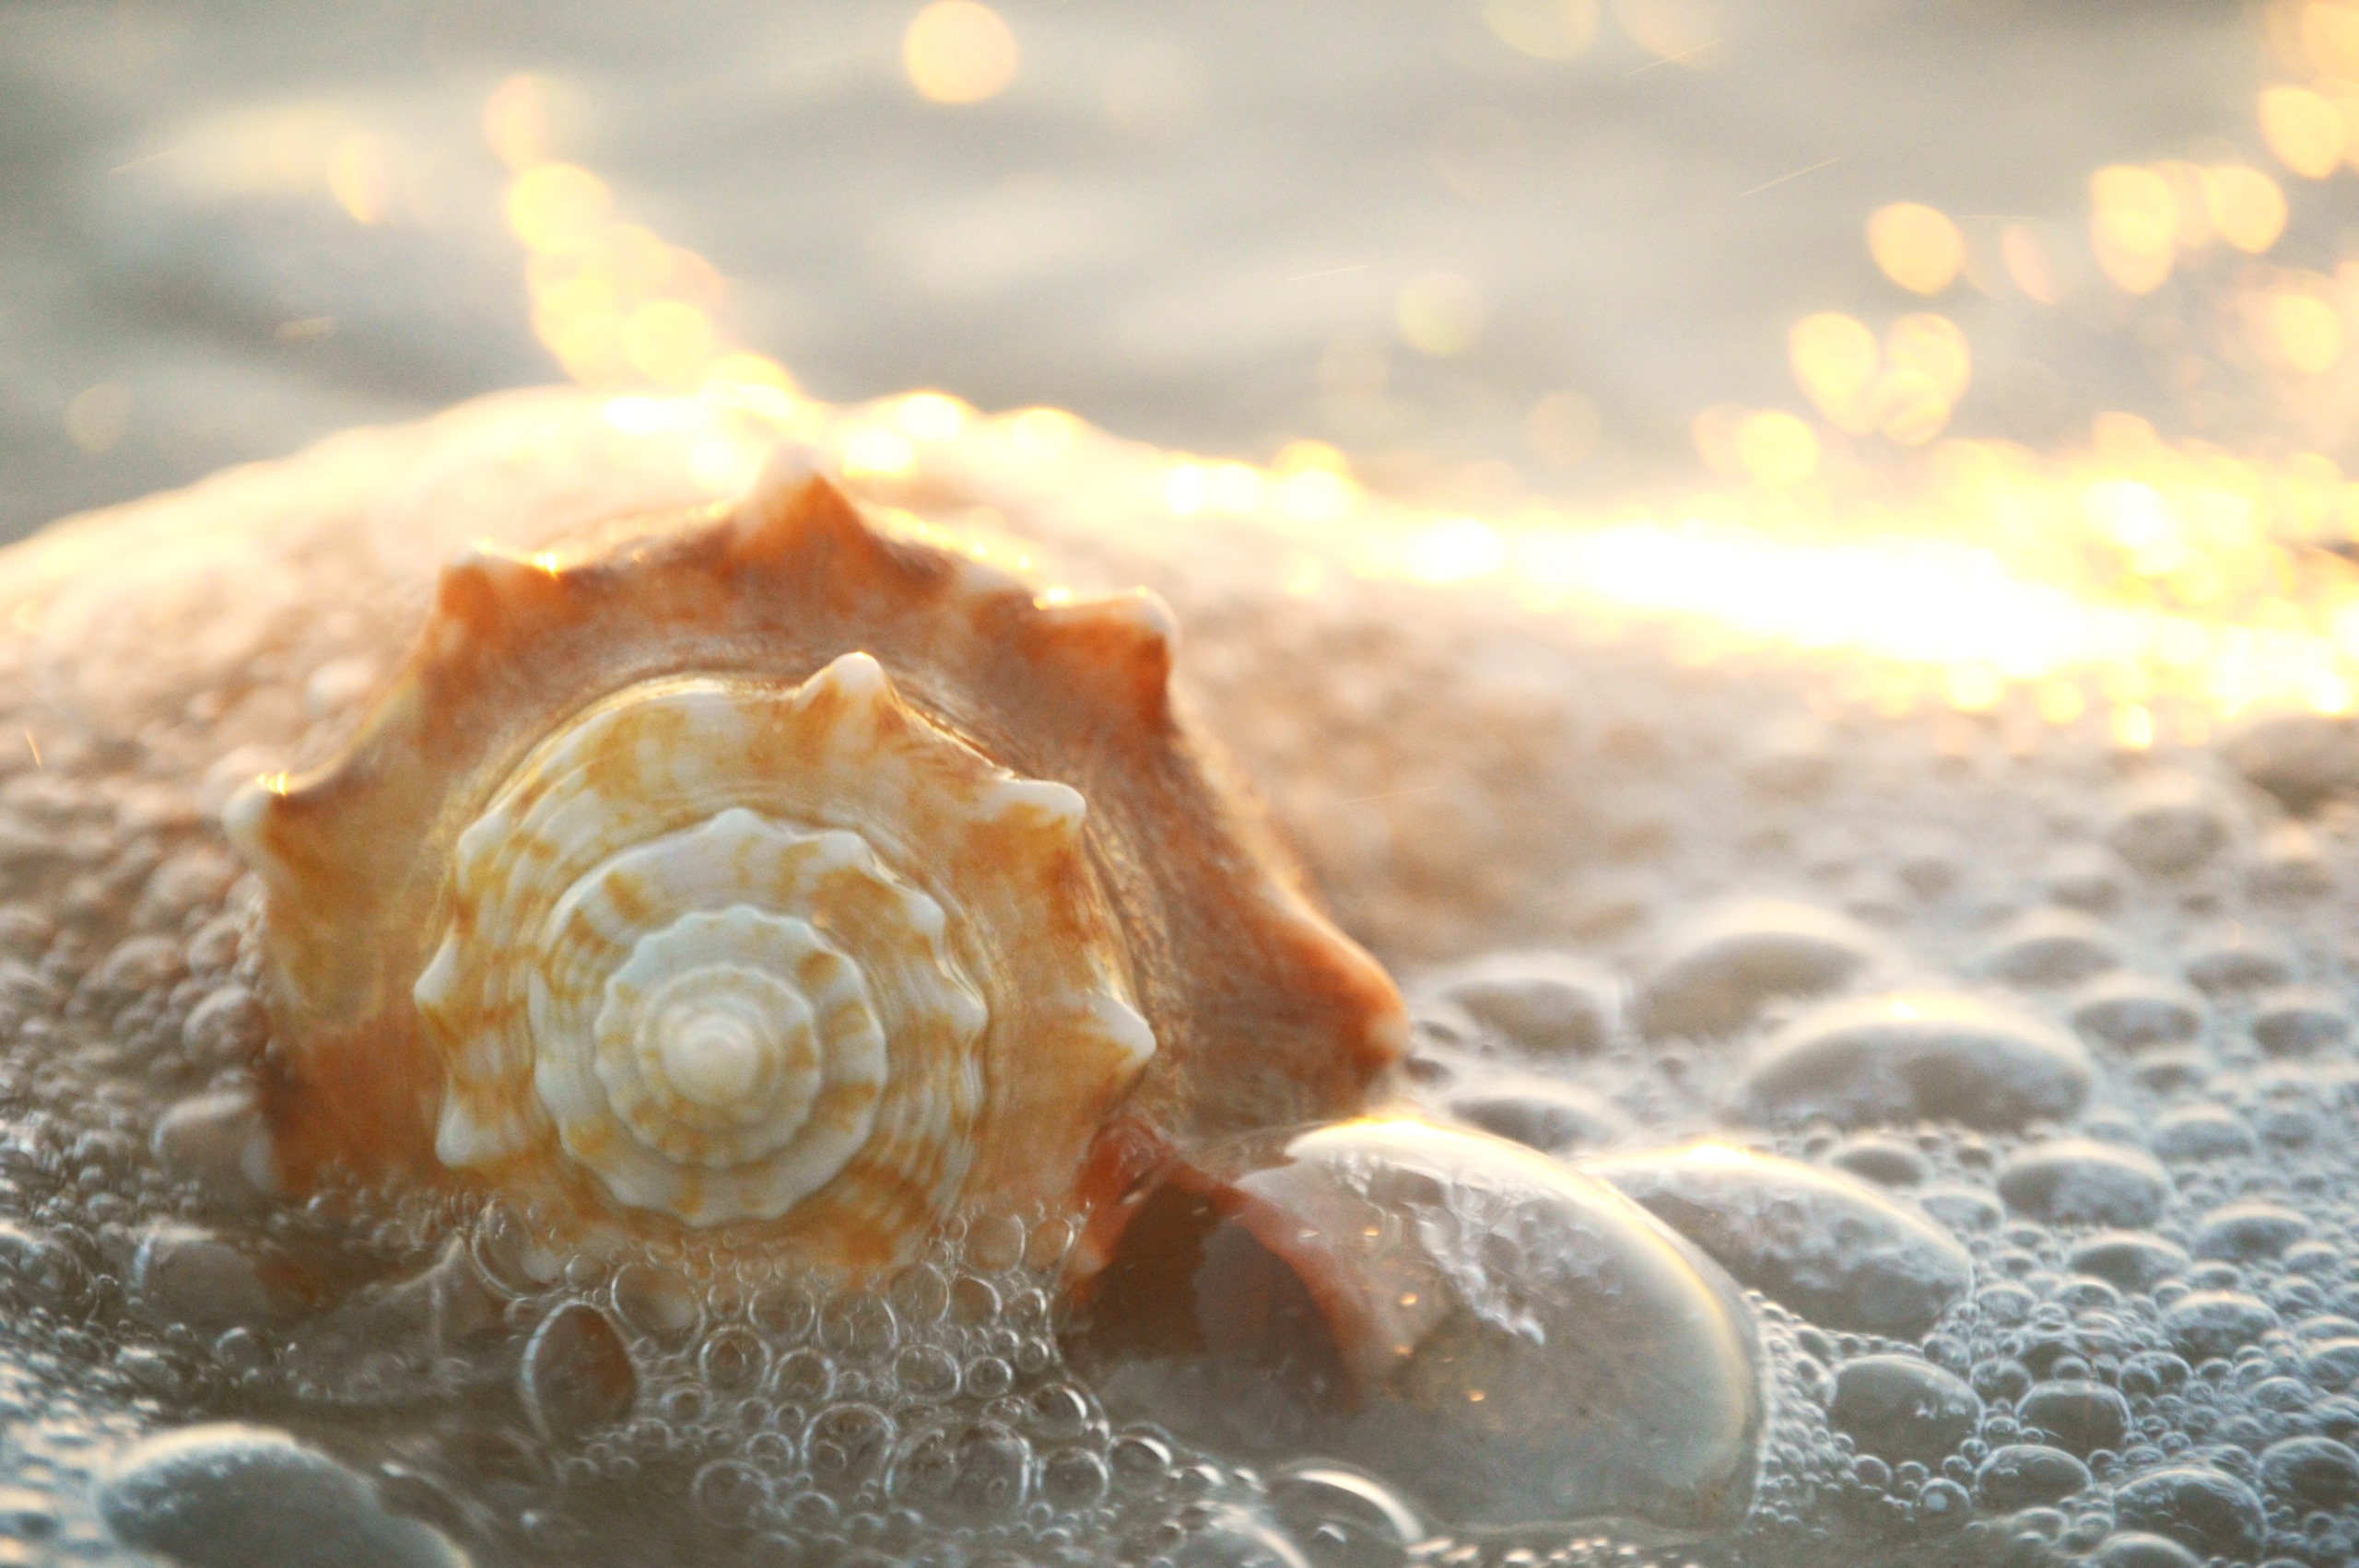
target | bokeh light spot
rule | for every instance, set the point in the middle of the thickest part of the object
(1912, 407)
(1934, 348)
(1916, 246)
(360, 176)
(2247, 206)
(2303, 129)
(959, 52)
(670, 341)
(930, 416)
(1043, 434)
(1972, 688)
(1776, 448)
(581, 326)
(1313, 482)
(2301, 331)
(1236, 487)
(2329, 39)
(1834, 358)
(2058, 701)
(2127, 583)
(2132, 227)
(1440, 314)
(1714, 433)
(98, 416)
(1546, 30)
(553, 205)
(516, 121)
(1307, 457)
(1683, 32)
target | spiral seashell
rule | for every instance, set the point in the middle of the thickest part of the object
(756, 868)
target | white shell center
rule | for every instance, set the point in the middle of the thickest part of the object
(721, 1044)
(713, 1056)
(737, 1041)
(684, 948)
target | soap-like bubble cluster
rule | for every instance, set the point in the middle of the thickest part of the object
(2037, 1158)
(805, 1423)
(2009, 1083)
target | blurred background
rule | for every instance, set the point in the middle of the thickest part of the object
(1486, 249)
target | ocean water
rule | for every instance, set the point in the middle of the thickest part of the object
(1169, 222)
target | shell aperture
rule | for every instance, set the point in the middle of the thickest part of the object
(675, 946)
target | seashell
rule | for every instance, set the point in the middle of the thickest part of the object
(752, 867)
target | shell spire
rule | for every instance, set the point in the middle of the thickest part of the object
(755, 867)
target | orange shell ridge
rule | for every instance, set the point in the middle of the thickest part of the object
(755, 869)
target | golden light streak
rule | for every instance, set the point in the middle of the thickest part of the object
(2138, 587)
(930, 416)
(2060, 587)
(1043, 434)
(875, 454)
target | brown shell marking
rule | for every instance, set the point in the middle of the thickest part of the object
(1262, 1013)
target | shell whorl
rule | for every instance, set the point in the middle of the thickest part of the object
(758, 868)
(679, 941)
